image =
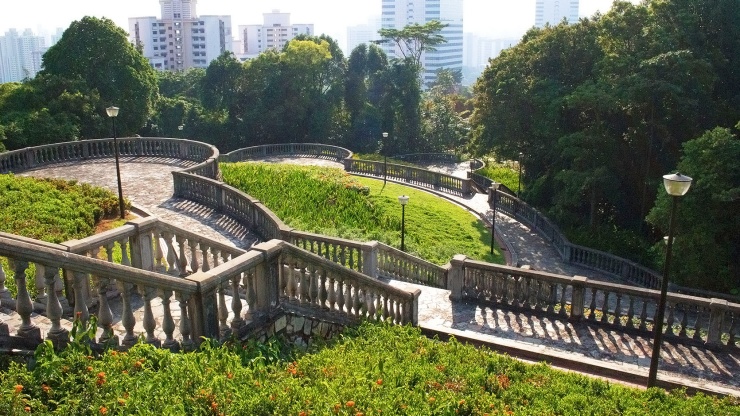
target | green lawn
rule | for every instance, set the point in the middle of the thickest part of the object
(331, 202)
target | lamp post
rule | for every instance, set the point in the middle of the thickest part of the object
(676, 185)
(403, 199)
(494, 189)
(519, 180)
(385, 158)
(180, 127)
(113, 113)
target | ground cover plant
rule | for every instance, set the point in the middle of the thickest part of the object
(331, 202)
(502, 172)
(371, 370)
(50, 210)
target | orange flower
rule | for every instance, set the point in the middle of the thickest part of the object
(350, 403)
(359, 414)
(379, 382)
(337, 406)
(229, 375)
(303, 413)
(121, 402)
(432, 400)
(45, 388)
(103, 410)
(18, 388)
(89, 369)
(27, 409)
(214, 406)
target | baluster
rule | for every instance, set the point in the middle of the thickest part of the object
(187, 342)
(80, 280)
(105, 315)
(370, 303)
(125, 259)
(23, 303)
(323, 295)
(563, 299)
(342, 256)
(605, 308)
(332, 295)
(348, 298)
(592, 307)
(40, 284)
(57, 334)
(505, 289)
(182, 263)
(731, 342)
(618, 310)
(386, 308)
(340, 294)
(538, 295)
(643, 315)
(526, 282)
(357, 301)
(193, 255)
(5, 297)
(158, 264)
(127, 315)
(223, 312)
(149, 293)
(313, 286)
(683, 324)
(631, 313)
(204, 254)
(669, 320)
(399, 313)
(168, 323)
(290, 280)
(304, 282)
(250, 296)
(697, 324)
(171, 255)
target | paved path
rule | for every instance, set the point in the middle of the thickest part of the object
(544, 336)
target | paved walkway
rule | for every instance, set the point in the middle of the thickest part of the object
(148, 184)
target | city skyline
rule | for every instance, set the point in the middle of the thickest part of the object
(489, 18)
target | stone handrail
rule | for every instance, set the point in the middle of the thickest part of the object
(34, 157)
(312, 150)
(410, 175)
(429, 157)
(715, 322)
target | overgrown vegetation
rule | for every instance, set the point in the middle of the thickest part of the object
(374, 369)
(331, 202)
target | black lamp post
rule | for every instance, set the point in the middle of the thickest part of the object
(494, 189)
(519, 180)
(385, 158)
(113, 113)
(403, 199)
(676, 185)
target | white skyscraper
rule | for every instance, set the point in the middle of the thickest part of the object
(181, 39)
(274, 33)
(20, 55)
(400, 13)
(553, 12)
(359, 34)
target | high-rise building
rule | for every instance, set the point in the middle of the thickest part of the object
(396, 14)
(274, 33)
(181, 39)
(20, 55)
(359, 34)
(554, 11)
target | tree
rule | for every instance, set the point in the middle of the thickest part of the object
(707, 246)
(220, 85)
(415, 39)
(98, 52)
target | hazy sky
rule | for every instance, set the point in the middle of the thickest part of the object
(495, 18)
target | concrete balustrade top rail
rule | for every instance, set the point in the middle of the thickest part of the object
(312, 150)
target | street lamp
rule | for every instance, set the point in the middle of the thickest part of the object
(113, 113)
(494, 189)
(180, 127)
(519, 180)
(385, 158)
(676, 185)
(403, 199)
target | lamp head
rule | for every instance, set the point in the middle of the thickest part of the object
(676, 184)
(385, 134)
(495, 186)
(180, 127)
(403, 199)
(112, 111)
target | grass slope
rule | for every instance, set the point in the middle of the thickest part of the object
(331, 202)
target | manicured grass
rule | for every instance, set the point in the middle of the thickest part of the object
(330, 202)
(373, 370)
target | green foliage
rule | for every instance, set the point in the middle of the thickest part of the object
(330, 202)
(415, 39)
(707, 245)
(374, 369)
(502, 172)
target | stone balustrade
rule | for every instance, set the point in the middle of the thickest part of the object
(714, 322)
(312, 150)
(411, 175)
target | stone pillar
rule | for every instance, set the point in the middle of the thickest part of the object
(455, 276)
(578, 299)
(370, 259)
(266, 279)
(414, 312)
(717, 309)
(142, 254)
(205, 312)
(467, 187)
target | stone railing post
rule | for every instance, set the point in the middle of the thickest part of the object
(455, 275)
(717, 309)
(205, 314)
(266, 279)
(370, 259)
(219, 195)
(30, 159)
(578, 298)
(566, 252)
(414, 312)
(142, 249)
(466, 186)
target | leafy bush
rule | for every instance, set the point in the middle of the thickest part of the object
(374, 369)
(504, 173)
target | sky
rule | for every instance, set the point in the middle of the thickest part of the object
(491, 18)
